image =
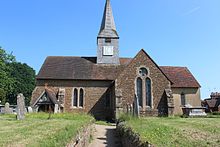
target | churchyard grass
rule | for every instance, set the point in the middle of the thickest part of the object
(176, 131)
(38, 130)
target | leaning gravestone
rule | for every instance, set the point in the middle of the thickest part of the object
(20, 107)
(7, 109)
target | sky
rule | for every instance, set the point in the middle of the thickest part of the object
(172, 32)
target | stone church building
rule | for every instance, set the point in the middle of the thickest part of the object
(107, 85)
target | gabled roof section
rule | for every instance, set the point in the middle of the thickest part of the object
(143, 51)
(108, 28)
(85, 68)
(212, 103)
(50, 94)
(79, 68)
(180, 76)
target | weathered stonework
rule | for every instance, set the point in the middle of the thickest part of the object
(21, 110)
(94, 98)
(126, 82)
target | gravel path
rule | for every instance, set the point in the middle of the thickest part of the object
(104, 136)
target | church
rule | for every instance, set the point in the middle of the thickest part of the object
(107, 85)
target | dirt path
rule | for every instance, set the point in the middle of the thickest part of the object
(104, 136)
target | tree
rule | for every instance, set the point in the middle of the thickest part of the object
(6, 82)
(15, 78)
(24, 81)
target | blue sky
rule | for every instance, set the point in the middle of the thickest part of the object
(172, 32)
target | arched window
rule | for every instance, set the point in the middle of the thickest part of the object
(81, 96)
(148, 92)
(75, 98)
(139, 91)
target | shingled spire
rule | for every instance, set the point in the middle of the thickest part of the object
(108, 28)
(107, 52)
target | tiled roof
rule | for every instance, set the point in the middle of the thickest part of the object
(79, 68)
(51, 94)
(212, 103)
(180, 76)
(85, 68)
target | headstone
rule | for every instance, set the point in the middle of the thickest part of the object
(136, 107)
(7, 109)
(56, 108)
(20, 107)
(30, 110)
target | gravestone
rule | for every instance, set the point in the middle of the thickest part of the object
(7, 109)
(30, 110)
(20, 107)
(56, 108)
(136, 107)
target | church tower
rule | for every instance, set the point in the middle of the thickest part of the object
(108, 39)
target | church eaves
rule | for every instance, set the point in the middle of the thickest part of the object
(108, 28)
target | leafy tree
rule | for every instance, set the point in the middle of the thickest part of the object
(15, 78)
(24, 81)
(6, 82)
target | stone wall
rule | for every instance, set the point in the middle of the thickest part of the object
(130, 138)
(127, 79)
(83, 137)
(94, 95)
(192, 97)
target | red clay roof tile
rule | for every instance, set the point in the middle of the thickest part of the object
(180, 76)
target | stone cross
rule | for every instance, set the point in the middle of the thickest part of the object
(20, 107)
(7, 109)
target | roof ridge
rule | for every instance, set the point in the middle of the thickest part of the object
(174, 66)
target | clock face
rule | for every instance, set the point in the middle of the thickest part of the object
(108, 50)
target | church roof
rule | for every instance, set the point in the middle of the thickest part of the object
(212, 103)
(79, 68)
(180, 76)
(108, 28)
(85, 68)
